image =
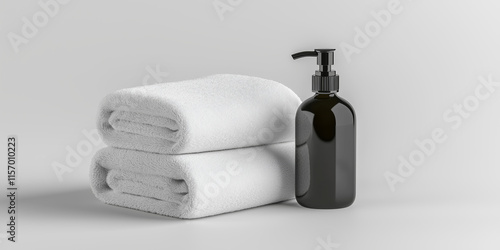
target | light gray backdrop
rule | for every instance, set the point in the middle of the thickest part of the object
(411, 69)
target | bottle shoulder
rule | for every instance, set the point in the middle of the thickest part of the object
(324, 102)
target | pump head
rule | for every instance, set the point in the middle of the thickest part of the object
(325, 79)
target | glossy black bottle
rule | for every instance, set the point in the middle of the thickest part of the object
(325, 154)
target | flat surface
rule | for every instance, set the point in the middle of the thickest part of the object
(417, 72)
(74, 219)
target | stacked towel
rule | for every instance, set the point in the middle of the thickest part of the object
(197, 148)
(212, 113)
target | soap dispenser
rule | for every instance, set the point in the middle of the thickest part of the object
(325, 141)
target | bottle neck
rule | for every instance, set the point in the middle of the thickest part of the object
(325, 94)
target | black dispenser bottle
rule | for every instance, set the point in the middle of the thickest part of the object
(325, 137)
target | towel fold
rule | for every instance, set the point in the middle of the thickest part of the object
(194, 185)
(212, 113)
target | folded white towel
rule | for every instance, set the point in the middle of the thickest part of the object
(206, 114)
(194, 185)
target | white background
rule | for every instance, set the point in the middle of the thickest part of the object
(413, 70)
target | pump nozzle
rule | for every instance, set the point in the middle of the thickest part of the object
(304, 54)
(324, 79)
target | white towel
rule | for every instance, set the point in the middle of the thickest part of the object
(194, 185)
(206, 114)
